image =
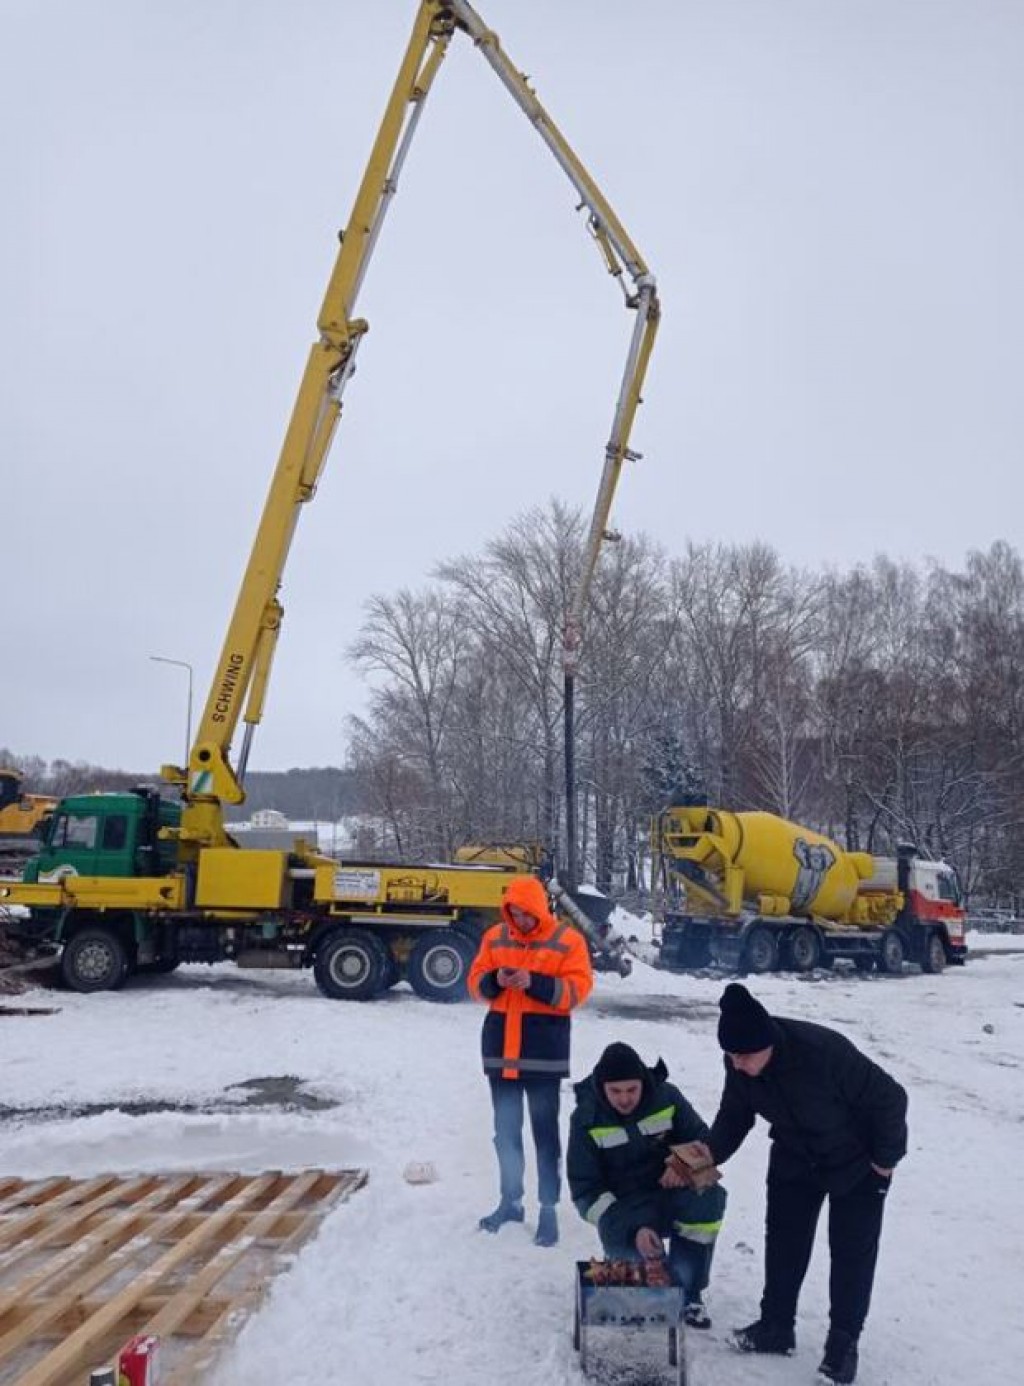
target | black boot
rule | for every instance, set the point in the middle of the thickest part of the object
(695, 1313)
(840, 1360)
(505, 1212)
(765, 1336)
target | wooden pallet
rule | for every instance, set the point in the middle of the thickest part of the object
(85, 1264)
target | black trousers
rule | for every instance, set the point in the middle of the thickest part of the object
(854, 1227)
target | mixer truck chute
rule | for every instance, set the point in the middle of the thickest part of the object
(755, 892)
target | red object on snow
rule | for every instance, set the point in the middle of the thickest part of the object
(139, 1362)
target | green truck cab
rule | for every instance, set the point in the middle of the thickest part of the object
(106, 835)
(110, 836)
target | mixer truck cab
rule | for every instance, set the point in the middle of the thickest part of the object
(933, 900)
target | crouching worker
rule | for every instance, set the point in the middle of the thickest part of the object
(621, 1179)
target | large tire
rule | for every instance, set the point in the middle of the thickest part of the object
(94, 959)
(439, 965)
(890, 953)
(803, 949)
(761, 951)
(933, 954)
(351, 965)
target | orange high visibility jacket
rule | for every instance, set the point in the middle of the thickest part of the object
(526, 1033)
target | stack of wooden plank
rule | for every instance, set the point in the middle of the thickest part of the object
(86, 1264)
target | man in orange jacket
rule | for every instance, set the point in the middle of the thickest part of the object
(533, 971)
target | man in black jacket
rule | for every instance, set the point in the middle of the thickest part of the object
(627, 1116)
(838, 1129)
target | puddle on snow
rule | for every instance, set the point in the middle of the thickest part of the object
(282, 1093)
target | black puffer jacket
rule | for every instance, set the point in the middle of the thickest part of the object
(614, 1162)
(833, 1112)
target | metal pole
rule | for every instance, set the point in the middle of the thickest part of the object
(571, 858)
(182, 664)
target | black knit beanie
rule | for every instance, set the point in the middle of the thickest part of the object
(619, 1064)
(745, 1026)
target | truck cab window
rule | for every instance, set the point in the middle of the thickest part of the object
(948, 888)
(115, 832)
(77, 831)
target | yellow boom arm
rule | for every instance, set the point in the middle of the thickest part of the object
(243, 668)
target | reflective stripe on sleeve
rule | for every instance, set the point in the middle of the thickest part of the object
(657, 1121)
(599, 1206)
(608, 1136)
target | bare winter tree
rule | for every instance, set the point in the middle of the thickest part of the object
(414, 641)
(514, 599)
(625, 652)
(880, 704)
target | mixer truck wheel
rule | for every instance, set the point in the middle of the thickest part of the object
(762, 951)
(933, 955)
(804, 949)
(890, 953)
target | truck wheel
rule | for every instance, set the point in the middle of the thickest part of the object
(94, 960)
(762, 951)
(890, 953)
(439, 965)
(933, 957)
(350, 965)
(804, 949)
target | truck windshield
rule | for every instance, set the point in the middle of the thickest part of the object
(949, 887)
(72, 830)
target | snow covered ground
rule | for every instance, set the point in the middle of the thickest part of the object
(399, 1288)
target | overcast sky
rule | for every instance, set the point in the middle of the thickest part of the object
(829, 192)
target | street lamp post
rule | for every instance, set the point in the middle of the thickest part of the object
(182, 664)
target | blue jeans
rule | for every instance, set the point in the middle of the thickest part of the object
(691, 1222)
(542, 1096)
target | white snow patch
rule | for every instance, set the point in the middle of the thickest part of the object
(399, 1288)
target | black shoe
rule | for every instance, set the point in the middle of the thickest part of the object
(764, 1336)
(547, 1227)
(505, 1212)
(840, 1360)
(695, 1315)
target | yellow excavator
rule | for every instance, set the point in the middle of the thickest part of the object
(22, 817)
(136, 881)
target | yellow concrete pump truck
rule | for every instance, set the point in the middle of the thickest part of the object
(137, 881)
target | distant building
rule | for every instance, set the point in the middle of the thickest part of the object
(269, 818)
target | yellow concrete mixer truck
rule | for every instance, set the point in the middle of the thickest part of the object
(756, 893)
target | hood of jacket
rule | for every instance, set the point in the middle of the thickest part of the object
(593, 1104)
(528, 894)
